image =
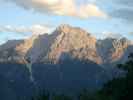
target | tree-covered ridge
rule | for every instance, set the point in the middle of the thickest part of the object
(120, 88)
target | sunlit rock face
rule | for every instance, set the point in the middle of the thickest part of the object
(75, 41)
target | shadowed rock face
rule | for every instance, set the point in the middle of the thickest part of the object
(15, 83)
(6, 91)
(69, 76)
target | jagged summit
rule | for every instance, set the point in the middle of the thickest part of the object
(65, 28)
(112, 49)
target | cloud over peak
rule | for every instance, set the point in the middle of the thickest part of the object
(61, 7)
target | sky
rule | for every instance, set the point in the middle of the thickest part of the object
(102, 18)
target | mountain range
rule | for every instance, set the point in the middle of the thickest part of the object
(68, 59)
(64, 43)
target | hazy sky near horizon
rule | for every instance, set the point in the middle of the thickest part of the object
(22, 18)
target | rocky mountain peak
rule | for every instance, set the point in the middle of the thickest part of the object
(67, 29)
(73, 40)
(73, 37)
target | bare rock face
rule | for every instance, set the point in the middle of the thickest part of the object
(112, 50)
(23, 48)
(74, 41)
(10, 44)
(41, 47)
(14, 51)
(120, 47)
(8, 52)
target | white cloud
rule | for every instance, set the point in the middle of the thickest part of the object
(107, 34)
(61, 7)
(38, 29)
(91, 10)
(34, 29)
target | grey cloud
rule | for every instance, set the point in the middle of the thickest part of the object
(124, 2)
(126, 14)
(123, 9)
